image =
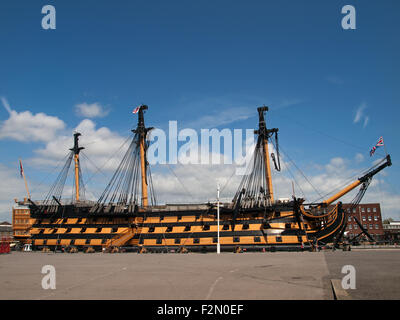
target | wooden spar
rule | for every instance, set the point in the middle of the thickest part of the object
(76, 158)
(355, 184)
(145, 201)
(76, 149)
(342, 192)
(263, 132)
(142, 131)
(268, 171)
(23, 175)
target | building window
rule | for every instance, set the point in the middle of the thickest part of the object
(369, 218)
(349, 219)
(368, 209)
(354, 210)
(370, 226)
(362, 209)
(350, 227)
(355, 227)
(374, 209)
(365, 226)
(363, 218)
(376, 226)
(375, 218)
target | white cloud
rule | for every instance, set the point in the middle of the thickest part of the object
(366, 119)
(101, 147)
(93, 110)
(359, 158)
(222, 117)
(360, 115)
(26, 127)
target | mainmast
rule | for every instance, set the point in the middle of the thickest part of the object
(76, 149)
(141, 130)
(264, 134)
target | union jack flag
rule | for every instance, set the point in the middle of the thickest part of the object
(378, 144)
(136, 110)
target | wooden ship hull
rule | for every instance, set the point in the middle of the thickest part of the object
(122, 218)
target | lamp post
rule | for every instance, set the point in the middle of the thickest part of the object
(218, 244)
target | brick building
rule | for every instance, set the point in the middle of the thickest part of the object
(369, 215)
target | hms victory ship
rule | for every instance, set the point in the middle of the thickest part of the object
(126, 216)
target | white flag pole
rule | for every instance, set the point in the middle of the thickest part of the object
(218, 244)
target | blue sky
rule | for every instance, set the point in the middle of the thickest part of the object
(190, 59)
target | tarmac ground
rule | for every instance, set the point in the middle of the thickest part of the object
(277, 275)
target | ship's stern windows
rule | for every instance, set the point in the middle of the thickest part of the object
(98, 230)
(179, 217)
(278, 239)
(169, 229)
(288, 225)
(257, 239)
(206, 227)
(159, 240)
(236, 239)
(177, 240)
(114, 230)
(54, 230)
(151, 229)
(187, 228)
(196, 240)
(68, 230)
(215, 240)
(83, 230)
(245, 226)
(225, 227)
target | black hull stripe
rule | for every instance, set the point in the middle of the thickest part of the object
(293, 232)
(158, 224)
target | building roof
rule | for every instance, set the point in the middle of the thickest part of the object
(5, 223)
